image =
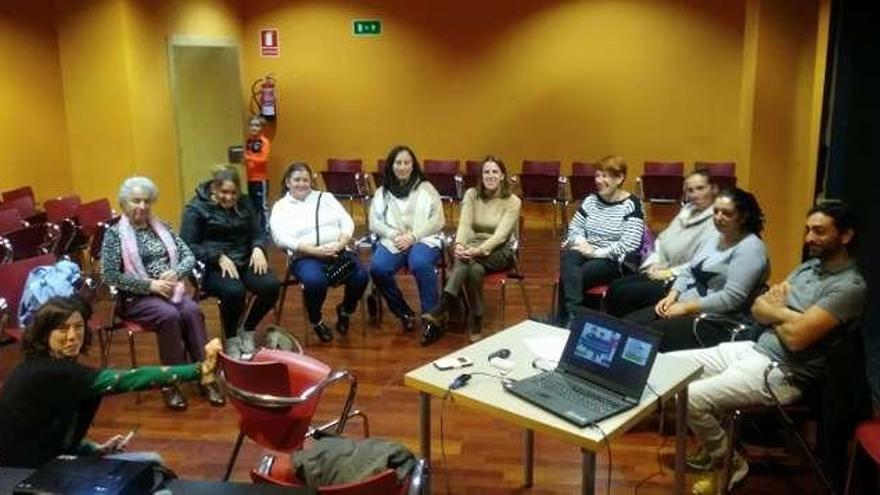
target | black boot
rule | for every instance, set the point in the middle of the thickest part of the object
(431, 333)
(343, 320)
(322, 332)
(438, 314)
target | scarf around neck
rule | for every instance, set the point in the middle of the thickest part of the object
(131, 258)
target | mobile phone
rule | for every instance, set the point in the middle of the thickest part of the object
(449, 363)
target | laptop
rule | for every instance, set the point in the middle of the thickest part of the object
(603, 370)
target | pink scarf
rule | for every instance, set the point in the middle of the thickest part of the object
(131, 258)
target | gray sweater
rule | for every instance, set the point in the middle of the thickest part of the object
(725, 280)
(676, 246)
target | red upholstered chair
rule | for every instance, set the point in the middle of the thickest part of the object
(582, 180)
(33, 240)
(60, 208)
(5, 251)
(473, 171)
(92, 213)
(722, 173)
(539, 182)
(12, 278)
(662, 182)
(345, 180)
(11, 220)
(444, 175)
(276, 395)
(21, 192)
(867, 437)
(379, 175)
(25, 206)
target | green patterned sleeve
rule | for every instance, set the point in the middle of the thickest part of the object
(110, 381)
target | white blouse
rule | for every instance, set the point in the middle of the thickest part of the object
(293, 221)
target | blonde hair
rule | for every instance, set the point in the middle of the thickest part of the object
(613, 165)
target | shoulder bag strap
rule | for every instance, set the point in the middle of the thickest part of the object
(317, 227)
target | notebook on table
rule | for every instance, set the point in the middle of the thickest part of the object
(603, 370)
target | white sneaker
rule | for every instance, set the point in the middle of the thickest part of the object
(738, 470)
(247, 342)
(233, 347)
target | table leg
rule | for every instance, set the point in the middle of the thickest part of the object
(680, 439)
(529, 457)
(588, 472)
(425, 434)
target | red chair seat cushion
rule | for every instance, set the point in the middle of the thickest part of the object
(15, 333)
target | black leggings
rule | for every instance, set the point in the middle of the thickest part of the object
(578, 273)
(232, 292)
(628, 294)
(678, 331)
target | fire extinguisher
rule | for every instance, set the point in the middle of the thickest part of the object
(263, 97)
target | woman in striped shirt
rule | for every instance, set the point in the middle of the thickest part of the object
(605, 230)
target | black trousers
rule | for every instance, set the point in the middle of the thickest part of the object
(232, 292)
(578, 273)
(633, 292)
(678, 331)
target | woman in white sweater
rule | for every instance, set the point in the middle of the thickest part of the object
(407, 216)
(673, 250)
(314, 229)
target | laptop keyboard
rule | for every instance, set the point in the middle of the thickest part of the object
(584, 397)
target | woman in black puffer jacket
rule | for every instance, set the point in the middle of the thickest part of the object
(224, 233)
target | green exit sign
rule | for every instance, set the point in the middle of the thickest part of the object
(367, 27)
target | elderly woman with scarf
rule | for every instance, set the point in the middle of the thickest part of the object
(407, 216)
(147, 262)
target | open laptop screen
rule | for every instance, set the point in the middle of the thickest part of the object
(614, 353)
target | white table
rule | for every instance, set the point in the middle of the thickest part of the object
(669, 377)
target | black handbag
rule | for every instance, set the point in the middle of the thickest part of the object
(342, 267)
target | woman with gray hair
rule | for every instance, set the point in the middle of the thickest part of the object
(147, 261)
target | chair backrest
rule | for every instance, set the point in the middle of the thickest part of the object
(21, 192)
(539, 187)
(582, 180)
(92, 213)
(664, 168)
(345, 165)
(12, 278)
(24, 205)
(342, 183)
(280, 374)
(58, 209)
(434, 166)
(10, 220)
(33, 240)
(473, 170)
(541, 167)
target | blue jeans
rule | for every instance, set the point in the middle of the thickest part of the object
(310, 273)
(421, 260)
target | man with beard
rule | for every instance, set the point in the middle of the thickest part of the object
(802, 318)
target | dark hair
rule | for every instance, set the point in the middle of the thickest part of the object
(613, 165)
(748, 208)
(48, 317)
(294, 167)
(843, 217)
(225, 173)
(503, 188)
(390, 182)
(702, 173)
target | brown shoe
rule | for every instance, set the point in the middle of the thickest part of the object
(173, 398)
(213, 393)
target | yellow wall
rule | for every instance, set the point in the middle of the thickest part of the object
(784, 129)
(564, 80)
(33, 136)
(117, 92)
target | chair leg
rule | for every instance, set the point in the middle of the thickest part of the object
(553, 304)
(279, 308)
(525, 296)
(802, 443)
(728, 458)
(232, 458)
(853, 452)
(503, 301)
(105, 352)
(133, 360)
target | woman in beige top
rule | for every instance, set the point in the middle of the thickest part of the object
(489, 215)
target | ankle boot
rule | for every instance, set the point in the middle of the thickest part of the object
(431, 333)
(438, 314)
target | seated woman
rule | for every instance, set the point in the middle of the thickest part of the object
(605, 230)
(724, 277)
(489, 215)
(147, 262)
(407, 215)
(673, 249)
(314, 228)
(48, 401)
(224, 233)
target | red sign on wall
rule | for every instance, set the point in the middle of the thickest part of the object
(269, 46)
